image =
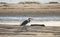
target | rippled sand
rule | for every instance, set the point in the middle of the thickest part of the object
(33, 31)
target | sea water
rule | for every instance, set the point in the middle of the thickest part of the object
(17, 20)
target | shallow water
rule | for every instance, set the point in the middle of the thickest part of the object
(21, 18)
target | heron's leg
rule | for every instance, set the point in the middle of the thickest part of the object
(24, 28)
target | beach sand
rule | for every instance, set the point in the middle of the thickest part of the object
(33, 31)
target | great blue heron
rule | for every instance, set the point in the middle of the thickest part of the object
(24, 24)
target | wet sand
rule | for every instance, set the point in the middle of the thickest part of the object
(33, 31)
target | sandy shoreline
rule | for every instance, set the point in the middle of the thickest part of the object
(8, 29)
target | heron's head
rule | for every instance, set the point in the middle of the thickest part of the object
(29, 19)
